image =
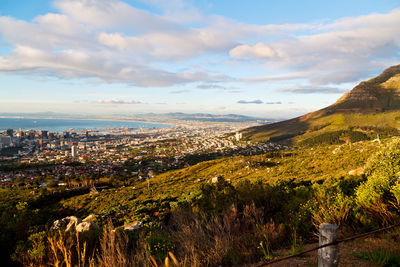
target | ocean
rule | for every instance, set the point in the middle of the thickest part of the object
(60, 125)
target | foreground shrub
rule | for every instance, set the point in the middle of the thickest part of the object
(379, 196)
(330, 204)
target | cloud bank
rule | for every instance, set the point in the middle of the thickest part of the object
(118, 102)
(313, 90)
(117, 42)
(342, 51)
(257, 101)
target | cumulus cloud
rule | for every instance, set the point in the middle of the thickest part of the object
(211, 86)
(115, 41)
(257, 51)
(257, 101)
(118, 102)
(342, 51)
(109, 40)
(183, 91)
(313, 90)
(280, 77)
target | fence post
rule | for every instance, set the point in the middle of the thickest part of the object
(328, 256)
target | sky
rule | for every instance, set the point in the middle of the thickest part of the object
(270, 59)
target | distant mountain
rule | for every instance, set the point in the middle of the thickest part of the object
(216, 118)
(372, 106)
(159, 117)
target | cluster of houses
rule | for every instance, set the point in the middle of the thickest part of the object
(58, 157)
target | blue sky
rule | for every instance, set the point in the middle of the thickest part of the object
(273, 59)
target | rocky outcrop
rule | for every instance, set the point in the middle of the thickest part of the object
(86, 226)
(90, 218)
(133, 225)
(71, 224)
(379, 93)
(357, 172)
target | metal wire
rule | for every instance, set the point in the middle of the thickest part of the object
(329, 244)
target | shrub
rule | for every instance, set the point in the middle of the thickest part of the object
(379, 194)
(334, 138)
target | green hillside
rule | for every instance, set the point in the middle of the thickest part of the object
(371, 107)
(143, 199)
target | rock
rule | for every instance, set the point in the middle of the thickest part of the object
(58, 224)
(69, 223)
(133, 225)
(90, 218)
(72, 223)
(86, 226)
(214, 180)
(93, 190)
(357, 172)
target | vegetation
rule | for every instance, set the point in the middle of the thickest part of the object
(380, 257)
(243, 207)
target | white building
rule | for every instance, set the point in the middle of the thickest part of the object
(74, 151)
(238, 136)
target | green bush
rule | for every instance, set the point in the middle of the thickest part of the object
(335, 138)
(379, 195)
(383, 172)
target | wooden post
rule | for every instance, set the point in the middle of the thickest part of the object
(328, 256)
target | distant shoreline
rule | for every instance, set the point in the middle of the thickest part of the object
(84, 119)
(56, 124)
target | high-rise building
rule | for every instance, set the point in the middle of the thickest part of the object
(5, 141)
(74, 151)
(10, 132)
(66, 134)
(43, 134)
(238, 136)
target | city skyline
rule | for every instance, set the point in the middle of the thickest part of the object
(261, 59)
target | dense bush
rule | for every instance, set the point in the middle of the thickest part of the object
(336, 137)
(379, 195)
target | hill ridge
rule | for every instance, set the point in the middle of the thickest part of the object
(372, 103)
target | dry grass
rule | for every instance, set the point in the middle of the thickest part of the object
(115, 250)
(66, 250)
(232, 238)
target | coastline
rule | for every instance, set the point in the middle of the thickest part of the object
(60, 124)
(87, 119)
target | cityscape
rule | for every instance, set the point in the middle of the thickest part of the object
(72, 158)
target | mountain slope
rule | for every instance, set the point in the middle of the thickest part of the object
(373, 105)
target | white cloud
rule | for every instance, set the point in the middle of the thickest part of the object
(279, 77)
(257, 101)
(118, 102)
(179, 91)
(313, 90)
(73, 44)
(342, 51)
(114, 41)
(274, 103)
(257, 51)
